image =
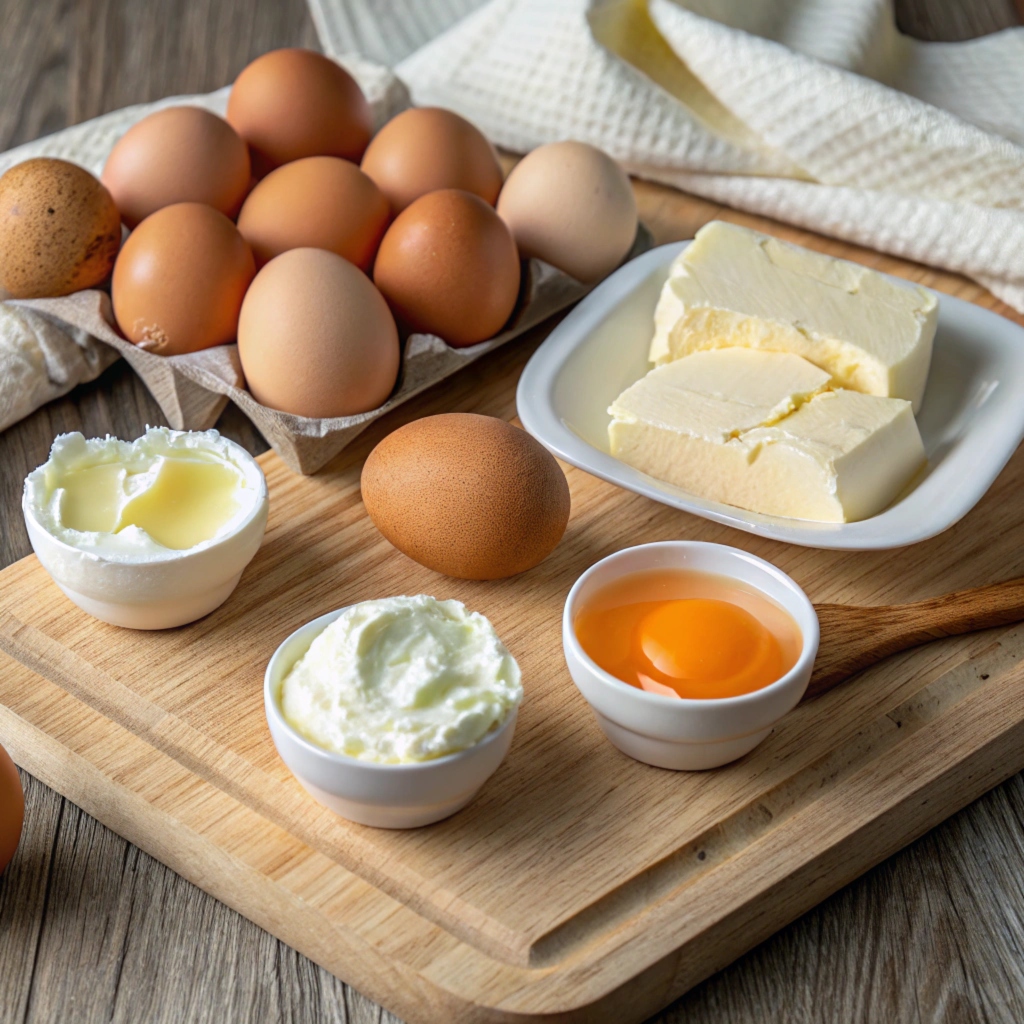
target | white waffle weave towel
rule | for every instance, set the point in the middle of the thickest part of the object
(815, 112)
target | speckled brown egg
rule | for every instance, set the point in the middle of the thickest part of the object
(321, 202)
(572, 206)
(468, 496)
(448, 266)
(177, 155)
(293, 103)
(180, 279)
(59, 229)
(316, 338)
(427, 148)
(12, 809)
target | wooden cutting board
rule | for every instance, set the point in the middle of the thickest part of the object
(580, 885)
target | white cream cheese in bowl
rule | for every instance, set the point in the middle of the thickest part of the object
(151, 533)
(394, 712)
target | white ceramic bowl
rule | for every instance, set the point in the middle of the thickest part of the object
(670, 732)
(381, 795)
(156, 592)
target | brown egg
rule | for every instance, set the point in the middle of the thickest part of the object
(316, 338)
(448, 266)
(59, 229)
(289, 104)
(572, 206)
(177, 155)
(425, 149)
(12, 809)
(321, 202)
(180, 280)
(466, 495)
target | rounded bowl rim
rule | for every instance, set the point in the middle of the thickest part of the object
(803, 665)
(271, 705)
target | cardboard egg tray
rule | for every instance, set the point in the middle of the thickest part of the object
(193, 389)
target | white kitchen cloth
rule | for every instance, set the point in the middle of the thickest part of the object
(815, 112)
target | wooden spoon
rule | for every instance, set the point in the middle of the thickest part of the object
(852, 637)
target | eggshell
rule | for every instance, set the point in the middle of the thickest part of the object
(177, 155)
(293, 103)
(448, 266)
(425, 149)
(321, 202)
(316, 338)
(572, 206)
(59, 229)
(180, 278)
(466, 495)
(12, 809)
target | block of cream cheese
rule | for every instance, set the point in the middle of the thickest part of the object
(759, 430)
(733, 286)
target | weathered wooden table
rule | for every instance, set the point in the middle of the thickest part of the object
(92, 929)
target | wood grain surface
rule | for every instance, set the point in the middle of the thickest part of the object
(93, 930)
(578, 877)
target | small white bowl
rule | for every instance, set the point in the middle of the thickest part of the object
(156, 592)
(382, 795)
(670, 732)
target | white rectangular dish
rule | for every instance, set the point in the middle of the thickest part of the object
(971, 421)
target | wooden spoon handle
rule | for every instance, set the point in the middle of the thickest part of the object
(964, 611)
(852, 638)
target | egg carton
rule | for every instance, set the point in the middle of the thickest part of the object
(68, 340)
(193, 389)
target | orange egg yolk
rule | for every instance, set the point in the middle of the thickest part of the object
(691, 647)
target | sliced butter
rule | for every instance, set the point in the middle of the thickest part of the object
(736, 287)
(716, 395)
(838, 456)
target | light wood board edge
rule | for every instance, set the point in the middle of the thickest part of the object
(930, 776)
(242, 878)
(620, 914)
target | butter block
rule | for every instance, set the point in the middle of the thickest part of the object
(716, 395)
(711, 424)
(736, 287)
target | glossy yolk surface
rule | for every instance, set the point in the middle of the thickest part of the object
(690, 647)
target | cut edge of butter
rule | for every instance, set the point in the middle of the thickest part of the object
(839, 456)
(721, 393)
(736, 287)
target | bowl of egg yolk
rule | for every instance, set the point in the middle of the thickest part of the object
(687, 652)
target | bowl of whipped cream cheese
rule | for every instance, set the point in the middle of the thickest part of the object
(393, 712)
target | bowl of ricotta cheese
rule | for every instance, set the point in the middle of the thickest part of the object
(393, 712)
